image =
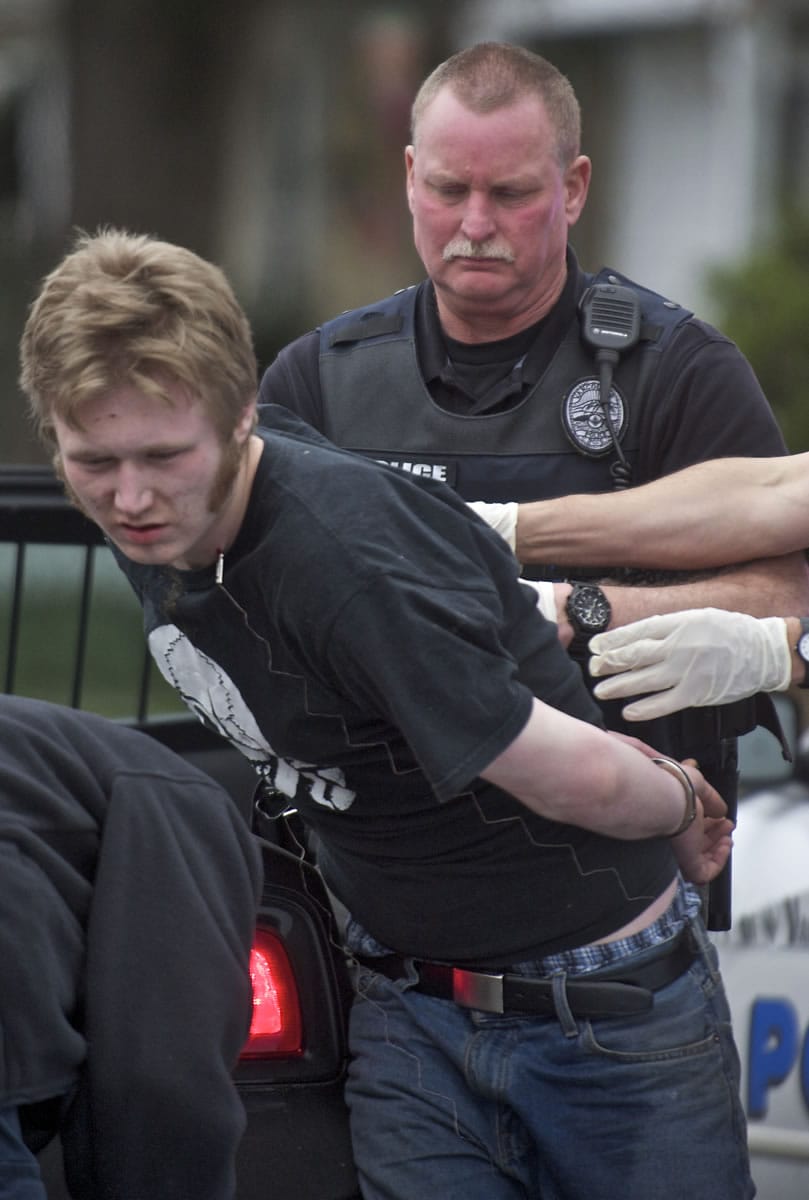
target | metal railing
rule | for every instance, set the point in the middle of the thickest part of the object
(35, 515)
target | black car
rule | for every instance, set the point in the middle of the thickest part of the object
(72, 635)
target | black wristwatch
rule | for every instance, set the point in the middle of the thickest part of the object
(802, 650)
(588, 611)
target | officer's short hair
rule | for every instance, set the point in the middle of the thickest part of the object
(492, 75)
(125, 309)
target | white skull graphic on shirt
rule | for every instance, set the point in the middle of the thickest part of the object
(210, 693)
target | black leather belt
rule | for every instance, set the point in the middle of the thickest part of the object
(616, 993)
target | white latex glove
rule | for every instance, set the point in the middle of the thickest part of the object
(690, 659)
(501, 517)
(546, 597)
(503, 520)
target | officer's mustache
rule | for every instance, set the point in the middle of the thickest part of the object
(464, 248)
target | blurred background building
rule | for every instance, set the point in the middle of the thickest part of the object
(268, 135)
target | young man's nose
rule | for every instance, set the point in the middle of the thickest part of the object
(133, 493)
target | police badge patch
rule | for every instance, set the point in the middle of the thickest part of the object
(584, 420)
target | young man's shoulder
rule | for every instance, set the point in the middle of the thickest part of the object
(306, 448)
(277, 419)
(351, 504)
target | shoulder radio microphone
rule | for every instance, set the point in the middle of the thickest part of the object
(610, 325)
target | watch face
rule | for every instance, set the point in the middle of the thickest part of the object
(589, 608)
(803, 647)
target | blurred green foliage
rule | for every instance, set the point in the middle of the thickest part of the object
(763, 304)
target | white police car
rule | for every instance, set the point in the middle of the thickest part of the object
(765, 959)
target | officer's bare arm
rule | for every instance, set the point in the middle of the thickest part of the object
(768, 587)
(726, 511)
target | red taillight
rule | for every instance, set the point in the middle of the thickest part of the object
(276, 1027)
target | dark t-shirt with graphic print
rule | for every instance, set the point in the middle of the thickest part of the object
(371, 650)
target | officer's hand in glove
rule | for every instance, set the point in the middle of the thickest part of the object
(545, 594)
(501, 517)
(503, 520)
(693, 658)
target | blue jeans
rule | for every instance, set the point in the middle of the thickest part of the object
(20, 1178)
(453, 1103)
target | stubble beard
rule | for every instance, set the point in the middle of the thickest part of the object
(234, 459)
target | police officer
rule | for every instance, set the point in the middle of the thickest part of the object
(489, 374)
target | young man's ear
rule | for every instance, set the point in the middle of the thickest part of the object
(246, 422)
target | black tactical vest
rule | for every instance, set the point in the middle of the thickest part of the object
(553, 442)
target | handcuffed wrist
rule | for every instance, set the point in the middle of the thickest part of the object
(689, 813)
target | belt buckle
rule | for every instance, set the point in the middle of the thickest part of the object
(477, 989)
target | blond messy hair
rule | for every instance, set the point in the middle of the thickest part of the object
(494, 75)
(125, 309)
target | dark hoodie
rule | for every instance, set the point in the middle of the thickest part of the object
(128, 891)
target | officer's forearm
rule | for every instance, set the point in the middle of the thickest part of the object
(711, 514)
(770, 587)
